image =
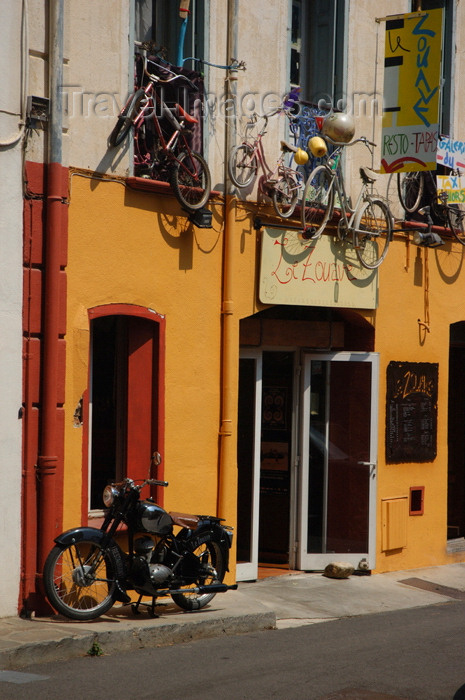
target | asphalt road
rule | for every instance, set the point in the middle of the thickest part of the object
(410, 654)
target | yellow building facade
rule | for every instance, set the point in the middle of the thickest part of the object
(133, 248)
(312, 403)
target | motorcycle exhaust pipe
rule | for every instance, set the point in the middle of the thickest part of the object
(212, 588)
(217, 588)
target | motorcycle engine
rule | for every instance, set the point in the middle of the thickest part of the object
(158, 572)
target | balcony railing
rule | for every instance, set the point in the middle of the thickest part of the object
(303, 127)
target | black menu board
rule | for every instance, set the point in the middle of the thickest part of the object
(411, 411)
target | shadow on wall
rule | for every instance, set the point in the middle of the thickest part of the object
(110, 161)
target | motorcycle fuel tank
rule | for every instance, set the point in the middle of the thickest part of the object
(152, 518)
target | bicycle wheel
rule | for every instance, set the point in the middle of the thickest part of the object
(79, 580)
(456, 221)
(242, 165)
(191, 180)
(372, 234)
(126, 118)
(317, 201)
(284, 196)
(410, 187)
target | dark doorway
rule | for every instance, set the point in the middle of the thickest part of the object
(124, 400)
(275, 457)
(456, 433)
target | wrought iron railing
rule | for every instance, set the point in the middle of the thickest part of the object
(303, 126)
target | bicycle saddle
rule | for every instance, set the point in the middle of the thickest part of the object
(185, 115)
(368, 175)
(287, 148)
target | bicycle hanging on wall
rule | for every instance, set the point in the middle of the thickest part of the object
(164, 147)
(282, 184)
(369, 221)
(417, 189)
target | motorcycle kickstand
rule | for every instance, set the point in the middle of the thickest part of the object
(135, 606)
(151, 606)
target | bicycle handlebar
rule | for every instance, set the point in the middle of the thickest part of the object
(255, 116)
(362, 139)
(156, 79)
(175, 76)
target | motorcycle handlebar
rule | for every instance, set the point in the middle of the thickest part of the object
(157, 482)
(129, 483)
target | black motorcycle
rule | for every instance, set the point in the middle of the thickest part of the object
(87, 570)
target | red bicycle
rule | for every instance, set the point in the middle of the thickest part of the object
(164, 148)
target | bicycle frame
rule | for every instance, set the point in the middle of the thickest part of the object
(339, 183)
(364, 220)
(268, 178)
(259, 152)
(149, 111)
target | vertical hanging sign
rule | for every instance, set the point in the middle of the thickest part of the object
(412, 72)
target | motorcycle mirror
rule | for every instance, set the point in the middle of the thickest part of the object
(156, 459)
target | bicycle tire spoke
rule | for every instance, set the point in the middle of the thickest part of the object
(317, 201)
(372, 233)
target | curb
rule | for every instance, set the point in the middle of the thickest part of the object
(55, 642)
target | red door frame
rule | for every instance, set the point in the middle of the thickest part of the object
(139, 421)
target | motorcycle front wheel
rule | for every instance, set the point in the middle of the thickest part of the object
(212, 570)
(79, 580)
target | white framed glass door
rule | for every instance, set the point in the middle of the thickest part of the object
(248, 463)
(338, 446)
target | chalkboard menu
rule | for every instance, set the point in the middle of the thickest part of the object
(411, 411)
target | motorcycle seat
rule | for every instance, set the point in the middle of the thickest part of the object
(184, 519)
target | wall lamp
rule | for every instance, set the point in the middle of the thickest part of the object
(427, 239)
(202, 218)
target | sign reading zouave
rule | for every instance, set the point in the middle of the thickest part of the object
(412, 72)
(322, 272)
(411, 411)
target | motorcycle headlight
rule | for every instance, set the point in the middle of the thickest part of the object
(109, 495)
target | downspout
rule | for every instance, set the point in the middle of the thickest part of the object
(184, 14)
(49, 505)
(227, 485)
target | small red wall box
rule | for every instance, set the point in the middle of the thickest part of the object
(417, 500)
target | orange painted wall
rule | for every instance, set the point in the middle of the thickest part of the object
(418, 284)
(135, 247)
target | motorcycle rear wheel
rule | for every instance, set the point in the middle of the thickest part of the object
(213, 568)
(79, 580)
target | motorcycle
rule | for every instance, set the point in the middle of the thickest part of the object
(87, 571)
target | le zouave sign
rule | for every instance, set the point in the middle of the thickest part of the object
(322, 272)
(412, 74)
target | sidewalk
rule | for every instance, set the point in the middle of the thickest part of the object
(283, 601)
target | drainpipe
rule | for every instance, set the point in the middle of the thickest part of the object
(227, 485)
(49, 505)
(184, 14)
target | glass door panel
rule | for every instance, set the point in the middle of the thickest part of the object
(338, 448)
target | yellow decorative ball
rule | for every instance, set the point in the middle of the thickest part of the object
(301, 156)
(317, 146)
